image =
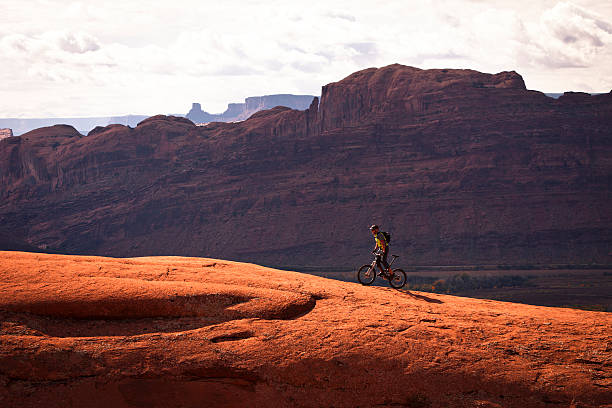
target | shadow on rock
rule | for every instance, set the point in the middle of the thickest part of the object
(422, 297)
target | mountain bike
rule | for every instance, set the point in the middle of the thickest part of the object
(366, 275)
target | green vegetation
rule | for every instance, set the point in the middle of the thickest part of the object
(579, 288)
(462, 282)
(593, 308)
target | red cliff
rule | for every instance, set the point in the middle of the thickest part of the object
(460, 166)
(4, 133)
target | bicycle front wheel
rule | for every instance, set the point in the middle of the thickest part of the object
(366, 275)
(399, 279)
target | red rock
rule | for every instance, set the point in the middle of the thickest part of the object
(460, 166)
(168, 331)
(4, 133)
(14, 241)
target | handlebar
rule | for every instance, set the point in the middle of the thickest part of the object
(376, 252)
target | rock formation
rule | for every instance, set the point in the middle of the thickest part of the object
(234, 112)
(241, 111)
(84, 125)
(4, 133)
(193, 332)
(461, 167)
(197, 115)
(13, 240)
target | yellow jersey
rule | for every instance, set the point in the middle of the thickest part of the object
(380, 238)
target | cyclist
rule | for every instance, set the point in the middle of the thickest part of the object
(381, 249)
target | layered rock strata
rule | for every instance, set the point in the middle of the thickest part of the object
(241, 111)
(4, 133)
(460, 166)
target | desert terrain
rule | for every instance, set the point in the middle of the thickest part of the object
(461, 167)
(92, 331)
(575, 286)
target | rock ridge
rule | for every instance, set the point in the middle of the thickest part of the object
(241, 111)
(4, 133)
(462, 167)
(270, 338)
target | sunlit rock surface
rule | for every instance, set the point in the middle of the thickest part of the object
(169, 331)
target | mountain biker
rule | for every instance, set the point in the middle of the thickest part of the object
(381, 249)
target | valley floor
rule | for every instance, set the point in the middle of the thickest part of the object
(587, 289)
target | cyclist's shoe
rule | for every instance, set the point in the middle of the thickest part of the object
(390, 274)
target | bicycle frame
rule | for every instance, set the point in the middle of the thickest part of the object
(374, 266)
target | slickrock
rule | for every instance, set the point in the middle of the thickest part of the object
(84, 331)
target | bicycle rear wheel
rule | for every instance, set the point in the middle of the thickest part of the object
(366, 275)
(399, 279)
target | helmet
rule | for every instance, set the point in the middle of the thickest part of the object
(373, 227)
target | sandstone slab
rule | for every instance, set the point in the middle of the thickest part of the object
(169, 331)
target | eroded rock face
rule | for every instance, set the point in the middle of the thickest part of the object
(197, 115)
(241, 111)
(4, 133)
(191, 332)
(460, 166)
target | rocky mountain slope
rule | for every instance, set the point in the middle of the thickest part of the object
(460, 166)
(241, 111)
(84, 125)
(191, 332)
(6, 132)
(234, 112)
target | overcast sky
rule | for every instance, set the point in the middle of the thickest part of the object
(90, 58)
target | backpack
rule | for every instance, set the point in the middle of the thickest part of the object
(387, 236)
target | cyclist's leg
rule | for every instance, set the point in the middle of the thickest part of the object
(378, 258)
(384, 259)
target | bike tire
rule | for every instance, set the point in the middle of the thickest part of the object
(399, 279)
(366, 275)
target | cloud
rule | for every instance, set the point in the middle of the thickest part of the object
(343, 16)
(576, 28)
(152, 56)
(78, 43)
(55, 56)
(236, 70)
(364, 52)
(568, 36)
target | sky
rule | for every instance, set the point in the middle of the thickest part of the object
(63, 58)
